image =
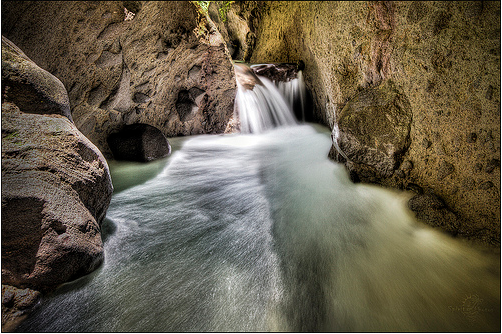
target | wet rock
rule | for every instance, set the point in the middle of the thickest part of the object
(246, 77)
(56, 188)
(432, 210)
(441, 55)
(139, 142)
(16, 305)
(373, 128)
(277, 72)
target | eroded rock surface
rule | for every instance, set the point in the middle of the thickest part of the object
(56, 187)
(168, 67)
(277, 72)
(238, 23)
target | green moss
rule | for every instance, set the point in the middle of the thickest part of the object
(223, 9)
(9, 135)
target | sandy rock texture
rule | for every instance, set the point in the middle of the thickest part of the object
(442, 56)
(373, 131)
(167, 67)
(56, 188)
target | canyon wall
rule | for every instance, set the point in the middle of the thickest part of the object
(167, 67)
(433, 68)
(443, 58)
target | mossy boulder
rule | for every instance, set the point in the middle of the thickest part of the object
(373, 129)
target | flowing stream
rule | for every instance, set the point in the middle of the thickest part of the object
(261, 232)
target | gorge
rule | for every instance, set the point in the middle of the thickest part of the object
(259, 231)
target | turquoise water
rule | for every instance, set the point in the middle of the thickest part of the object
(261, 232)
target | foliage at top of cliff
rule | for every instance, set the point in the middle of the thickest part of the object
(223, 7)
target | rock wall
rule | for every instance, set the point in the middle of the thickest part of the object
(443, 57)
(238, 23)
(56, 188)
(168, 67)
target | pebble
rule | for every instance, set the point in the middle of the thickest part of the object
(486, 185)
(471, 138)
(445, 169)
(491, 165)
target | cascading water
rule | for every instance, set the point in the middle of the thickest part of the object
(294, 92)
(261, 232)
(263, 107)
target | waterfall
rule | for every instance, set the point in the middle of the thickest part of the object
(257, 232)
(295, 93)
(263, 107)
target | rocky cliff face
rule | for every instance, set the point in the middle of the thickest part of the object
(56, 188)
(167, 67)
(443, 57)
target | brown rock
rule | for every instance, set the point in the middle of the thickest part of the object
(33, 89)
(442, 56)
(56, 188)
(237, 22)
(16, 304)
(374, 127)
(168, 67)
(277, 72)
(246, 77)
(432, 210)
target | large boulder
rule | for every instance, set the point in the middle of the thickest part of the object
(168, 67)
(32, 89)
(373, 129)
(56, 187)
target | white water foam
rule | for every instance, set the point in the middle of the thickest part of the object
(262, 108)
